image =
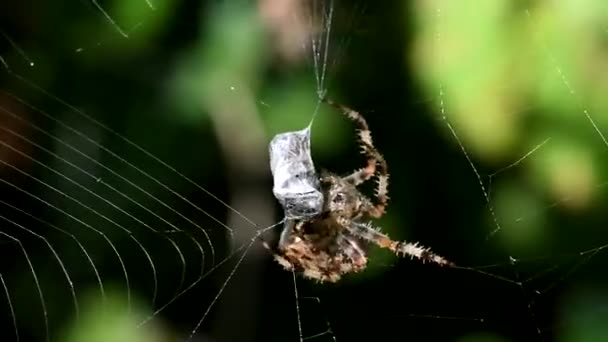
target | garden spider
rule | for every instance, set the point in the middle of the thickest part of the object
(333, 242)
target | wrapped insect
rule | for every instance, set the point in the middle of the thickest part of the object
(295, 182)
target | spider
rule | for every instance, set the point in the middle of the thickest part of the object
(334, 242)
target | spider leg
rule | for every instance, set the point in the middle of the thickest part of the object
(401, 248)
(287, 231)
(365, 140)
(277, 251)
(375, 161)
(278, 256)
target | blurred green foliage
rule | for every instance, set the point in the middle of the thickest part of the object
(104, 321)
(512, 75)
(518, 73)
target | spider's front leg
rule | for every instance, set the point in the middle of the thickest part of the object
(376, 164)
(365, 140)
(286, 233)
(401, 248)
(277, 254)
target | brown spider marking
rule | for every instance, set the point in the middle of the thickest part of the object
(326, 246)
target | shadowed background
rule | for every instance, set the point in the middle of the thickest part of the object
(204, 85)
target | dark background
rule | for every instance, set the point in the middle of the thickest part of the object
(203, 86)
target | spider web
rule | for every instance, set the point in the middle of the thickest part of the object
(136, 188)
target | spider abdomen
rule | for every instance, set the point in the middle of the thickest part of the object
(321, 253)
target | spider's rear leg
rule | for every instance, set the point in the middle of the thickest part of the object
(401, 248)
(375, 161)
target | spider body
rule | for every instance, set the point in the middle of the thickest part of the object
(334, 242)
(317, 251)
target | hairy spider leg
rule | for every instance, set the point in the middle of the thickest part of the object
(375, 162)
(402, 248)
(278, 256)
(365, 140)
(286, 232)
